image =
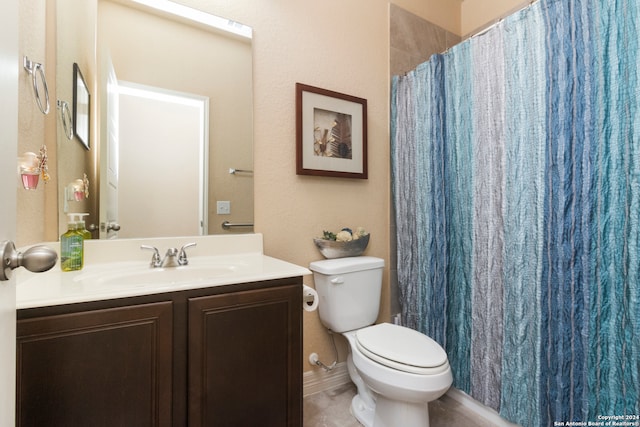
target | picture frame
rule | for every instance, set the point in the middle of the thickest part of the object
(81, 107)
(331, 133)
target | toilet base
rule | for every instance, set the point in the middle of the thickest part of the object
(363, 404)
(363, 413)
(391, 413)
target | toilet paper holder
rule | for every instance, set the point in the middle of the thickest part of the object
(309, 298)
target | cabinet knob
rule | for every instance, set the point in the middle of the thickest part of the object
(35, 259)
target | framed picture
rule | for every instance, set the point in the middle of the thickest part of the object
(331, 133)
(81, 106)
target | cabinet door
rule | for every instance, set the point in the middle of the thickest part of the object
(108, 367)
(245, 358)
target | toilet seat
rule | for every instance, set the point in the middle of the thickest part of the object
(401, 348)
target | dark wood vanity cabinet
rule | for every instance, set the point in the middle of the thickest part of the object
(253, 378)
(103, 367)
(220, 356)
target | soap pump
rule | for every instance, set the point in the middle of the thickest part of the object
(82, 227)
(72, 247)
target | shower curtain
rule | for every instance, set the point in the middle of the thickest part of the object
(516, 186)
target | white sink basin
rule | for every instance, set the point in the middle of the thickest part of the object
(141, 276)
(119, 269)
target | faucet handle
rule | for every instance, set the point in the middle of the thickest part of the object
(156, 261)
(182, 258)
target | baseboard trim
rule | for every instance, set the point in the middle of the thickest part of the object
(478, 408)
(319, 380)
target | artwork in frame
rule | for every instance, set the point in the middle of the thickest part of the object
(81, 105)
(331, 133)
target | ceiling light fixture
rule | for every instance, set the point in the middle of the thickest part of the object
(198, 16)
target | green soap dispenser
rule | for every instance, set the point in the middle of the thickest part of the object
(72, 248)
(81, 226)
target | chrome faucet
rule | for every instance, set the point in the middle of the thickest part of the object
(156, 261)
(182, 256)
(172, 258)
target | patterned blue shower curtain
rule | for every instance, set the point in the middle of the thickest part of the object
(516, 185)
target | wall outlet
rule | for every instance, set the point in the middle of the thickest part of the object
(223, 207)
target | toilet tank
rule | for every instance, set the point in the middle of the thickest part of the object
(349, 291)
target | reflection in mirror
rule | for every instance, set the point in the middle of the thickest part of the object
(129, 186)
(150, 118)
(81, 107)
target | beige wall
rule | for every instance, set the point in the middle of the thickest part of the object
(478, 14)
(32, 124)
(75, 44)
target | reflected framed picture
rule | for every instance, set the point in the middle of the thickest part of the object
(331, 133)
(81, 105)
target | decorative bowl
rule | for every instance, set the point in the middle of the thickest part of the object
(333, 249)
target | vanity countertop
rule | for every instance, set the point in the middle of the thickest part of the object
(215, 261)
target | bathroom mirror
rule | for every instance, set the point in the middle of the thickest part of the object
(124, 43)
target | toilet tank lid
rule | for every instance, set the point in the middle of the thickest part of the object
(346, 265)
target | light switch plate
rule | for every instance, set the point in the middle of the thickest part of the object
(223, 207)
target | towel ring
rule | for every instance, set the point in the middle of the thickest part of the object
(35, 69)
(65, 117)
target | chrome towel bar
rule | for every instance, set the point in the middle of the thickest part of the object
(228, 225)
(234, 171)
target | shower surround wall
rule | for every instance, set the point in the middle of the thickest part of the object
(413, 40)
(516, 179)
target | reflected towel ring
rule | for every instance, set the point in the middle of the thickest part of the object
(67, 120)
(35, 68)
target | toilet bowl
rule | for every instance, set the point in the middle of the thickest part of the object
(396, 370)
(402, 379)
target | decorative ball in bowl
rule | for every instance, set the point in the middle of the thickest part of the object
(336, 249)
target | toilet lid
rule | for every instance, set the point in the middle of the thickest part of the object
(402, 348)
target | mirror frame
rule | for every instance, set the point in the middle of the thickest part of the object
(81, 107)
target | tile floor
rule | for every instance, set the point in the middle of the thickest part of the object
(331, 409)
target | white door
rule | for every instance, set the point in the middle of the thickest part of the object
(9, 66)
(163, 162)
(110, 152)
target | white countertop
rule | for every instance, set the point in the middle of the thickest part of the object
(119, 269)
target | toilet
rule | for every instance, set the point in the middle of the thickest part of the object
(396, 370)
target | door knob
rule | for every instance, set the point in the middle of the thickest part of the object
(35, 259)
(113, 226)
